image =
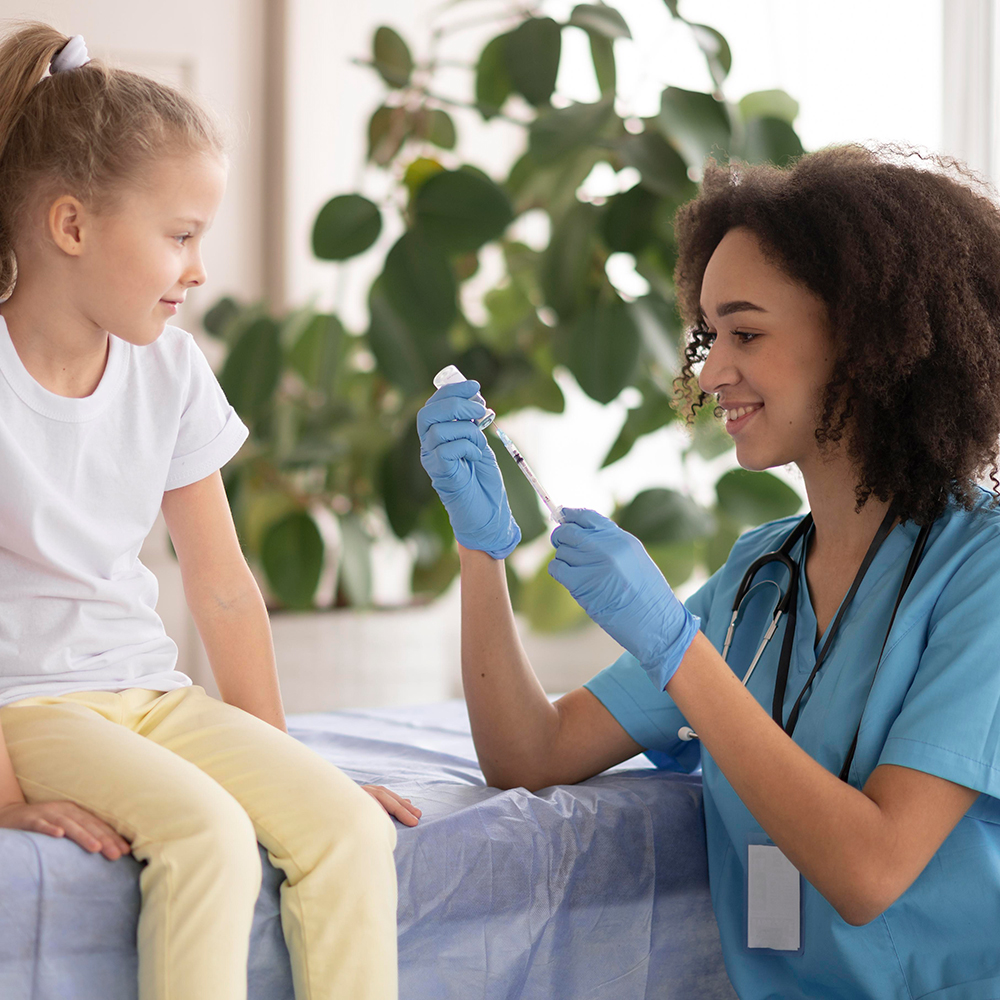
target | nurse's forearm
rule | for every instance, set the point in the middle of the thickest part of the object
(852, 850)
(514, 726)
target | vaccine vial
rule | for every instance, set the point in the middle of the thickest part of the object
(451, 375)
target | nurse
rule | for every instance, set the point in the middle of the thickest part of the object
(845, 316)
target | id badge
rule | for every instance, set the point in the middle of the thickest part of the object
(773, 901)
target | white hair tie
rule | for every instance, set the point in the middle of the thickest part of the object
(72, 55)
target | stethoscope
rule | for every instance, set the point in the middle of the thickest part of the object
(788, 603)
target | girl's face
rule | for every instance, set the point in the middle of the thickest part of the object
(771, 357)
(141, 257)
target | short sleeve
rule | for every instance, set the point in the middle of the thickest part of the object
(649, 716)
(210, 431)
(949, 724)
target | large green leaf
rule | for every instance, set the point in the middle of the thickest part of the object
(661, 330)
(387, 131)
(346, 226)
(548, 605)
(433, 579)
(602, 54)
(601, 349)
(510, 311)
(716, 51)
(676, 562)
(695, 123)
(769, 104)
(524, 503)
(709, 437)
(770, 140)
(665, 517)
(459, 211)
(532, 53)
(392, 57)
(493, 82)
(551, 186)
(257, 508)
(406, 487)
(355, 577)
(663, 169)
(253, 368)
(555, 133)
(420, 284)
(440, 129)
(317, 351)
(396, 349)
(224, 312)
(718, 546)
(655, 411)
(519, 384)
(568, 260)
(751, 498)
(292, 556)
(600, 18)
(627, 223)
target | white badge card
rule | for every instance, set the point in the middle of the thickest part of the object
(773, 901)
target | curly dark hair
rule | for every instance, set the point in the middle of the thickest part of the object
(907, 260)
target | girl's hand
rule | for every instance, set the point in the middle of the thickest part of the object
(464, 470)
(402, 809)
(614, 580)
(66, 819)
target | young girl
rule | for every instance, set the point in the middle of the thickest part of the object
(846, 316)
(108, 183)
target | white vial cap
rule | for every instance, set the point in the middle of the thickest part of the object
(448, 376)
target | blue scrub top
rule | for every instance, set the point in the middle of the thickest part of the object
(934, 707)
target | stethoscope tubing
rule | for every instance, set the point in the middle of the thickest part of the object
(782, 555)
(686, 733)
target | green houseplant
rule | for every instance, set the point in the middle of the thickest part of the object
(332, 412)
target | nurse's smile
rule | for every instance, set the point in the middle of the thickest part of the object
(737, 416)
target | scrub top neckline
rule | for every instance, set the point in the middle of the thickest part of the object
(50, 404)
(807, 645)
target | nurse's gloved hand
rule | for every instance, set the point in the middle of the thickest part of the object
(464, 470)
(613, 579)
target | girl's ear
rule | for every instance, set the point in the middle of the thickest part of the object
(65, 221)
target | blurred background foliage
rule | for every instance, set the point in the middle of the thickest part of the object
(333, 456)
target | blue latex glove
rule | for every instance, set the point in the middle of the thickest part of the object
(464, 470)
(613, 579)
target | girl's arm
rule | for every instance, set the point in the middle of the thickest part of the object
(230, 612)
(521, 738)
(224, 598)
(860, 849)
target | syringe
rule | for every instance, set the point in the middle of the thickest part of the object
(451, 374)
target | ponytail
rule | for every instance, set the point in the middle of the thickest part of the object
(24, 61)
(83, 131)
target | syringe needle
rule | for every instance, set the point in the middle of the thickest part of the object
(554, 509)
(450, 375)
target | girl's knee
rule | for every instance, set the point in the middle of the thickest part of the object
(214, 832)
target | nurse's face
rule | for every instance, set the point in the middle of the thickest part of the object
(771, 357)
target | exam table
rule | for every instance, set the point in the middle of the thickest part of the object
(596, 891)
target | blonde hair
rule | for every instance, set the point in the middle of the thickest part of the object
(84, 130)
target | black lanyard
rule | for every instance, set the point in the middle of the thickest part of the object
(784, 661)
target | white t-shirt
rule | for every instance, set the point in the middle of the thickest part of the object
(82, 483)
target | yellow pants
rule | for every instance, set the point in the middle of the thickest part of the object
(194, 783)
